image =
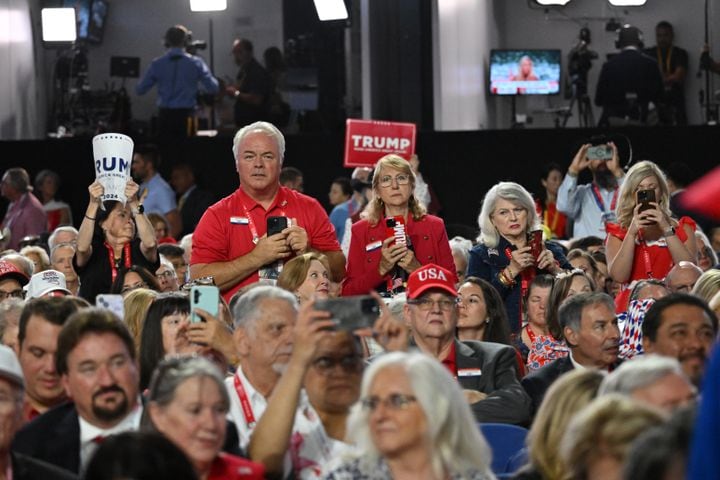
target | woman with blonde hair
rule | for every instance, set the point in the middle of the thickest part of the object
(647, 241)
(707, 285)
(136, 304)
(380, 261)
(567, 396)
(306, 276)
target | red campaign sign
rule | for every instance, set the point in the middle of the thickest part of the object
(366, 141)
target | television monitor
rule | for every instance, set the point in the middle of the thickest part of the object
(91, 15)
(525, 72)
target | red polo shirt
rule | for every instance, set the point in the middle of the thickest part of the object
(225, 230)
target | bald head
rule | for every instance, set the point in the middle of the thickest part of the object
(682, 277)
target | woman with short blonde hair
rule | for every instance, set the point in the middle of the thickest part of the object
(306, 276)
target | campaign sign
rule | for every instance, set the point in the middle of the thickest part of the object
(366, 141)
(113, 154)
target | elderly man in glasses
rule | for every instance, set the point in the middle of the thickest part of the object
(487, 371)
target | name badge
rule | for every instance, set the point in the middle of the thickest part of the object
(373, 246)
(239, 220)
(469, 372)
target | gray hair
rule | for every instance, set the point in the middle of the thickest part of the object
(172, 372)
(263, 127)
(247, 309)
(707, 246)
(570, 312)
(458, 445)
(19, 179)
(461, 246)
(512, 192)
(59, 246)
(63, 229)
(641, 284)
(639, 373)
(164, 262)
(10, 310)
(40, 252)
(22, 262)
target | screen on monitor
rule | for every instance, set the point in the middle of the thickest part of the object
(90, 16)
(525, 72)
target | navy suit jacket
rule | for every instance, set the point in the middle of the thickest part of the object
(54, 437)
(506, 400)
(537, 382)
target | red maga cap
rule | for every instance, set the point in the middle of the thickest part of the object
(8, 269)
(430, 276)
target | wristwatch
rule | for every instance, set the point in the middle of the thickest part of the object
(669, 232)
(139, 210)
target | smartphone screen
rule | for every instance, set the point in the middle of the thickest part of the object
(206, 297)
(599, 152)
(644, 197)
(351, 313)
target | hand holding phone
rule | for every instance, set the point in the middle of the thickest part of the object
(535, 242)
(600, 152)
(351, 313)
(276, 225)
(395, 228)
(644, 198)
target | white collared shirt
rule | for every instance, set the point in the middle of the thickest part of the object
(575, 364)
(258, 404)
(89, 432)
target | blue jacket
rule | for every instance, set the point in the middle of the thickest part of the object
(487, 263)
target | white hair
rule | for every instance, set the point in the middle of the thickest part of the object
(461, 246)
(458, 447)
(59, 246)
(164, 262)
(639, 373)
(53, 236)
(247, 309)
(263, 127)
(512, 192)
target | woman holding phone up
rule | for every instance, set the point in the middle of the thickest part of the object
(396, 236)
(646, 242)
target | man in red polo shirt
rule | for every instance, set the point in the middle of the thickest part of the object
(230, 242)
(487, 371)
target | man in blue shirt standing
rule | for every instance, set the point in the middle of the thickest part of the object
(177, 74)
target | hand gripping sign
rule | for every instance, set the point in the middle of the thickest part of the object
(113, 157)
(366, 141)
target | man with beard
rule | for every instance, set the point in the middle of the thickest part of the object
(40, 323)
(590, 328)
(95, 359)
(264, 319)
(681, 326)
(590, 206)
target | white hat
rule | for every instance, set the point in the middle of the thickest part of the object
(10, 367)
(45, 282)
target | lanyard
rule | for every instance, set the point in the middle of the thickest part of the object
(244, 402)
(111, 256)
(666, 68)
(645, 255)
(526, 276)
(598, 198)
(251, 223)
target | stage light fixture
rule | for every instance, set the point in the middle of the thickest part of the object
(208, 5)
(627, 3)
(329, 10)
(58, 24)
(552, 3)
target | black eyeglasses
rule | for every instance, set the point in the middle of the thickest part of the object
(348, 363)
(14, 294)
(395, 401)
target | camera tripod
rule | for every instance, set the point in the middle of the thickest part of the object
(582, 100)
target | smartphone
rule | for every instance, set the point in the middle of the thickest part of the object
(206, 297)
(535, 242)
(395, 228)
(351, 313)
(600, 152)
(644, 197)
(276, 225)
(113, 302)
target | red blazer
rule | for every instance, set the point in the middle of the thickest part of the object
(429, 240)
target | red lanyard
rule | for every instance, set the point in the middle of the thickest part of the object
(244, 402)
(526, 276)
(251, 222)
(530, 334)
(599, 199)
(113, 265)
(645, 255)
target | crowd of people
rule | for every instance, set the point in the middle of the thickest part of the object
(586, 314)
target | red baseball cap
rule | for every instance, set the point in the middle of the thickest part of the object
(8, 269)
(430, 276)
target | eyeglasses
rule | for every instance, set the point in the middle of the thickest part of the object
(167, 275)
(14, 294)
(402, 179)
(134, 286)
(507, 213)
(428, 303)
(348, 363)
(395, 401)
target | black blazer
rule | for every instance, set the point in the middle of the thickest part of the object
(193, 209)
(54, 437)
(506, 400)
(537, 382)
(26, 468)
